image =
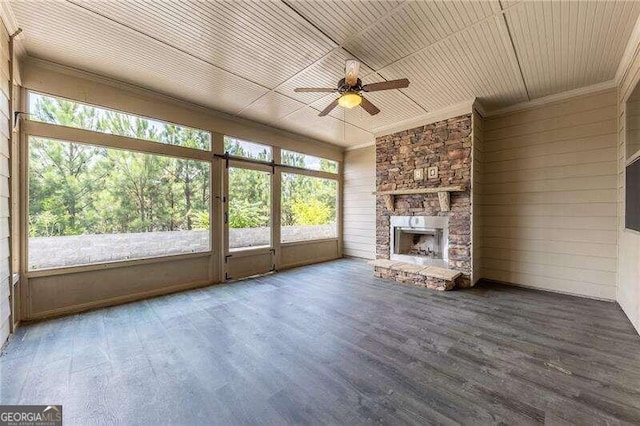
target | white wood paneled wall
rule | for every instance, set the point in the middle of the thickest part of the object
(359, 235)
(628, 290)
(5, 141)
(548, 196)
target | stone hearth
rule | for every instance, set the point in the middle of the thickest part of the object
(431, 277)
(402, 162)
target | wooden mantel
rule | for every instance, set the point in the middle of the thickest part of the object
(442, 191)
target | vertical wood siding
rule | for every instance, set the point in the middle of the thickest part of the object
(628, 289)
(360, 203)
(548, 196)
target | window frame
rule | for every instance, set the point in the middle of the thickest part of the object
(336, 173)
(29, 93)
(319, 175)
(39, 129)
(28, 206)
(248, 159)
(258, 167)
(218, 235)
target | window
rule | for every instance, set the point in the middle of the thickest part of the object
(252, 150)
(68, 113)
(304, 161)
(249, 208)
(308, 208)
(90, 204)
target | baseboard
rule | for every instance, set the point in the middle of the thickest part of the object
(546, 290)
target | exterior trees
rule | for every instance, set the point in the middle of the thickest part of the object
(79, 189)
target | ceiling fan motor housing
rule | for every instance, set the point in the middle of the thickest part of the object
(344, 87)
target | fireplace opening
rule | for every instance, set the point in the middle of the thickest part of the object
(419, 242)
(420, 239)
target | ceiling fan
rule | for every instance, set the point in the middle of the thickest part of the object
(350, 89)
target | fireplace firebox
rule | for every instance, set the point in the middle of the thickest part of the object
(422, 240)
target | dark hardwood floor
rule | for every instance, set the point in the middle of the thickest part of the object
(332, 344)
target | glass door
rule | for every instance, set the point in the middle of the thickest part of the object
(248, 219)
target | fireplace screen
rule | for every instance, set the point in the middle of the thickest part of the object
(420, 239)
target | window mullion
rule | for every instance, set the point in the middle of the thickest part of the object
(88, 137)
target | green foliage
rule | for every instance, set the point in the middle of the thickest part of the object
(201, 220)
(310, 162)
(249, 198)
(81, 189)
(239, 148)
(246, 214)
(73, 114)
(308, 200)
(311, 212)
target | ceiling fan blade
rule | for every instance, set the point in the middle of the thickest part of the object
(369, 107)
(328, 109)
(351, 69)
(313, 89)
(386, 85)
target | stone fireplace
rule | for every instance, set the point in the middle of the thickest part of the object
(417, 228)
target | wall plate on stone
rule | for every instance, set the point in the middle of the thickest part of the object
(418, 174)
(432, 172)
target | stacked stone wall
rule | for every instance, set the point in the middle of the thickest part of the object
(446, 145)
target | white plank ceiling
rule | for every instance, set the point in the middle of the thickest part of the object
(246, 57)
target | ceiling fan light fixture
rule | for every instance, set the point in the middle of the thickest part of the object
(350, 100)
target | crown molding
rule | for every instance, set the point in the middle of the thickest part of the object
(455, 110)
(8, 18)
(360, 146)
(11, 24)
(581, 91)
(477, 105)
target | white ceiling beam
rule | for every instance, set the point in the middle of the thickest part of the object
(513, 48)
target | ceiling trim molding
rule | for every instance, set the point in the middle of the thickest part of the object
(477, 104)
(362, 145)
(8, 18)
(629, 52)
(11, 24)
(455, 110)
(581, 91)
(513, 48)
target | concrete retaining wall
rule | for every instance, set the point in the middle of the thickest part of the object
(51, 252)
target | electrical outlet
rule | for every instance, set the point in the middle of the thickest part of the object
(418, 174)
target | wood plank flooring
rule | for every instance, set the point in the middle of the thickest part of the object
(331, 344)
